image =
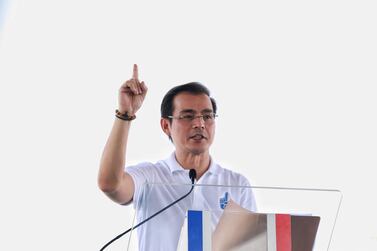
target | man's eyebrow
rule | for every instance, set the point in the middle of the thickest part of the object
(187, 111)
(207, 110)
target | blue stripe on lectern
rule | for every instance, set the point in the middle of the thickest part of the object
(195, 230)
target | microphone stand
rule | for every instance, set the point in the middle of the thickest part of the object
(192, 175)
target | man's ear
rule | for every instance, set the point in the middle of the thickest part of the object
(165, 126)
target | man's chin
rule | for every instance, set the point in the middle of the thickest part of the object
(198, 151)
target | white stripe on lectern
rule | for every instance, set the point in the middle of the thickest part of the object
(271, 232)
(207, 231)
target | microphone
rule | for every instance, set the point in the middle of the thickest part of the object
(192, 175)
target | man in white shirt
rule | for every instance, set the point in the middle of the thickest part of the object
(188, 118)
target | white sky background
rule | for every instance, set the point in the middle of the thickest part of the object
(295, 84)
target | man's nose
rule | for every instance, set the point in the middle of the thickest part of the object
(198, 122)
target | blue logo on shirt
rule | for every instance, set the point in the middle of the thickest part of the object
(224, 201)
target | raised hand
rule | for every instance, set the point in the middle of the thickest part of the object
(132, 94)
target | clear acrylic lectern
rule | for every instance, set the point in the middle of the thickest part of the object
(219, 218)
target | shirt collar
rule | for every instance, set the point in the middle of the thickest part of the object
(174, 166)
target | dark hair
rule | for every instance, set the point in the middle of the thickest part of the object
(192, 87)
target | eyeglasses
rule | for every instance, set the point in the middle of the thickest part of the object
(208, 117)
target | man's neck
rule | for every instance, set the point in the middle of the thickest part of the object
(199, 162)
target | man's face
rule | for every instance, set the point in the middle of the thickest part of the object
(189, 135)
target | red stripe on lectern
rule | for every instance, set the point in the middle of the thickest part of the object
(283, 232)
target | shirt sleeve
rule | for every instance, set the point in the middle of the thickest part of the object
(140, 174)
(247, 196)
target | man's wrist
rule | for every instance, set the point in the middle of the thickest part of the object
(124, 115)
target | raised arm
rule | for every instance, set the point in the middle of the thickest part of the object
(112, 179)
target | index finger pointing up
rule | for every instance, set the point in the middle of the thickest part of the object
(135, 74)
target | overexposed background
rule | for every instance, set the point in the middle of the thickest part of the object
(295, 83)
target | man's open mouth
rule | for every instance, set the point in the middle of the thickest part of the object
(197, 137)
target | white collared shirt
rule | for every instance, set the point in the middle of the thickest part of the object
(159, 184)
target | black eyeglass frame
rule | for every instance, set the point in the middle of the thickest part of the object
(191, 117)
